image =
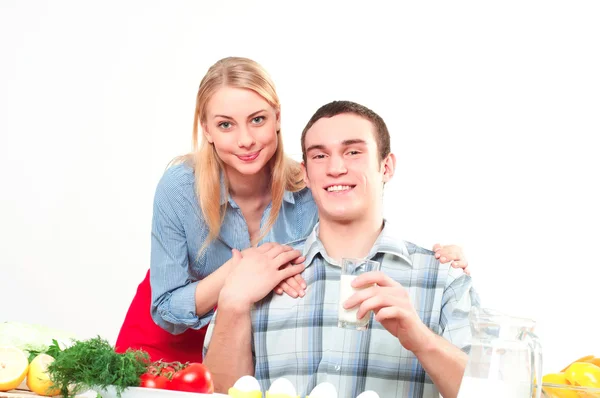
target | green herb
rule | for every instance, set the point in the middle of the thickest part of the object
(53, 350)
(94, 363)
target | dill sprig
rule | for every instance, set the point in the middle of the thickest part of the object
(94, 363)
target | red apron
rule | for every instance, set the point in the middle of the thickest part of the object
(140, 332)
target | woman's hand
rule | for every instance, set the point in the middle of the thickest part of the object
(454, 254)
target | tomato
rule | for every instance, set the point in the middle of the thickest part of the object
(168, 372)
(149, 380)
(193, 378)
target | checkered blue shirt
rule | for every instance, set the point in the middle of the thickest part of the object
(299, 339)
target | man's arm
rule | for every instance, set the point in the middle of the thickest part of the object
(443, 361)
(229, 354)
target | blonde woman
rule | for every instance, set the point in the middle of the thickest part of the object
(236, 189)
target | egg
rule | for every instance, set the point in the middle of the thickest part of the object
(245, 387)
(323, 390)
(368, 394)
(282, 387)
(247, 384)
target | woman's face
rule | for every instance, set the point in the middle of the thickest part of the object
(243, 127)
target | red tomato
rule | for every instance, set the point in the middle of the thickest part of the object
(193, 378)
(168, 372)
(154, 381)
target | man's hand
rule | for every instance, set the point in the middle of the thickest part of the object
(443, 362)
(392, 307)
(257, 273)
(293, 287)
(454, 254)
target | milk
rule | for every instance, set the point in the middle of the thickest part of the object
(347, 318)
(475, 387)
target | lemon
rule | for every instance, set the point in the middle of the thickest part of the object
(558, 378)
(583, 374)
(586, 358)
(13, 368)
(38, 379)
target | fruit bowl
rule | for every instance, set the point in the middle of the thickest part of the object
(567, 391)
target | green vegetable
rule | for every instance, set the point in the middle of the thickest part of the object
(94, 364)
(53, 350)
(32, 337)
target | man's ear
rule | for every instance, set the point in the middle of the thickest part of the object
(305, 175)
(206, 133)
(389, 167)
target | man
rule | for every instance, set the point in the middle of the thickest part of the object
(412, 347)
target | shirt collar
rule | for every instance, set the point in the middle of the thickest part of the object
(386, 243)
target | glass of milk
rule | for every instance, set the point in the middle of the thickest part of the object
(351, 268)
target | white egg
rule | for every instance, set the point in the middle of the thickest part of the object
(247, 384)
(368, 394)
(283, 386)
(324, 390)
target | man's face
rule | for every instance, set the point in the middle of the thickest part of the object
(343, 169)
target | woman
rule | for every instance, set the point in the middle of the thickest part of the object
(236, 189)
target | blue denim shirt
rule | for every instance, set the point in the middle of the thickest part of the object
(179, 230)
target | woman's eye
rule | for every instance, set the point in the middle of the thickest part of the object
(225, 125)
(258, 119)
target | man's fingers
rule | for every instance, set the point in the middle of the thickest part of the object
(300, 280)
(361, 296)
(391, 313)
(294, 285)
(374, 303)
(278, 289)
(288, 289)
(371, 277)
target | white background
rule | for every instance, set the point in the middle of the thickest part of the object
(494, 110)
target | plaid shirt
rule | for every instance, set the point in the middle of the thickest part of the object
(299, 339)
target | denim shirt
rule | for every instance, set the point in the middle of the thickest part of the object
(179, 230)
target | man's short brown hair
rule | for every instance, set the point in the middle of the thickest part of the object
(382, 135)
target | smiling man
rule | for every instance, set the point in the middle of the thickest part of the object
(412, 347)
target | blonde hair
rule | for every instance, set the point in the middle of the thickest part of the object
(286, 174)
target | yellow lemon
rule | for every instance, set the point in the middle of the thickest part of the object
(586, 358)
(13, 367)
(38, 379)
(583, 374)
(561, 379)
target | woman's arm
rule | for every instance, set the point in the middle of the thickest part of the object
(208, 289)
(173, 288)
